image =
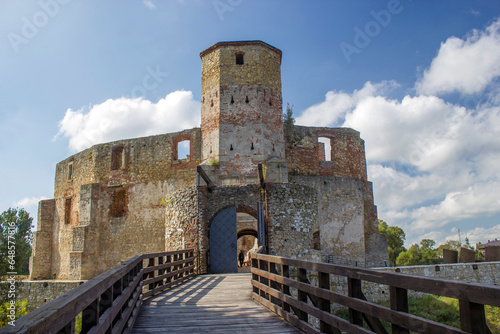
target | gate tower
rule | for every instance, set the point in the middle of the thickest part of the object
(241, 111)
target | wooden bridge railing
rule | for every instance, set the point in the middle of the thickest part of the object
(297, 300)
(109, 302)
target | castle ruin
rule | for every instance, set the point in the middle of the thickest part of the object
(120, 199)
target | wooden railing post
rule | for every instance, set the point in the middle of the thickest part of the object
(285, 272)
(324, 304)
(151, 263)
(264, 265)
(302, 296)
(399, 302)
(106, 300)
(160, 271)
(354, 291)
(472, 317)
(274, 284)
(175, 257)
(169, 269)
(68, 329)
(255, 277)
(90, 316)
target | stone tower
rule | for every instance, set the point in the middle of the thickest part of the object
(241, 112)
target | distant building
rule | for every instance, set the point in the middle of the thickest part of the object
(490, 243)
(120, 199)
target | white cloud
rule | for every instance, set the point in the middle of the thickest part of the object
(475, 201)
(149, 4)
(337, 104)
(431, 162)
(464, 65)
(478, 234)
(475, 12)
(129, 118)
(28, 202)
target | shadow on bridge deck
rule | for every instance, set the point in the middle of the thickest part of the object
(209, 304)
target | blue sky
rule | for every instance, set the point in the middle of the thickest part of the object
(418, 79)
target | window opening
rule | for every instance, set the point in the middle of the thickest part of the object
(247, 100)
(239, 59)
(232, 99)
(324, 149)
(117, 158)
(118, 206)
(67, 211)
(184, 149)
(70, 171)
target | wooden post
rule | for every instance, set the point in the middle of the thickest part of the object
(354, 290)
(169, 269)
(175, 258)
(255, 277)
(285, 272)
(264, 265)
(302, 296)
(151, 263)
(399, 302)
(106, 300)
(68, 329)
(324, 304)
(90, 316)
(274, 284)
(160, 271)
(472, 317)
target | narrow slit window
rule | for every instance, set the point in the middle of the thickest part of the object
(70, 171)
(324, 149)
(67, 211)
(239, 59)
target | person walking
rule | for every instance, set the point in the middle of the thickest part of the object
(241, 257)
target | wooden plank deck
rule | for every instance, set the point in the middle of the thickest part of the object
(209, 304)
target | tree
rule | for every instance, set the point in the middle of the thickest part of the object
(450, 244)
(16, 239)
(395, 239)
(288, 118)
(419, 255)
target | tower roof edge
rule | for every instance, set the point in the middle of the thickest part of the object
(239, 43)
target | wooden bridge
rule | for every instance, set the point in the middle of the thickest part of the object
(160, 293)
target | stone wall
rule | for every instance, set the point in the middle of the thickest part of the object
(303, 152)
(38, 293)
(293, 220)
(482, 272)
(109, 204)
(347, 219)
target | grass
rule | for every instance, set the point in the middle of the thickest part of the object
(440, 309)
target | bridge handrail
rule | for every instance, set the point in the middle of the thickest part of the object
(271, 281)
(109, 302)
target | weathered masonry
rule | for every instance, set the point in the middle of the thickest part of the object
(116, 200)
